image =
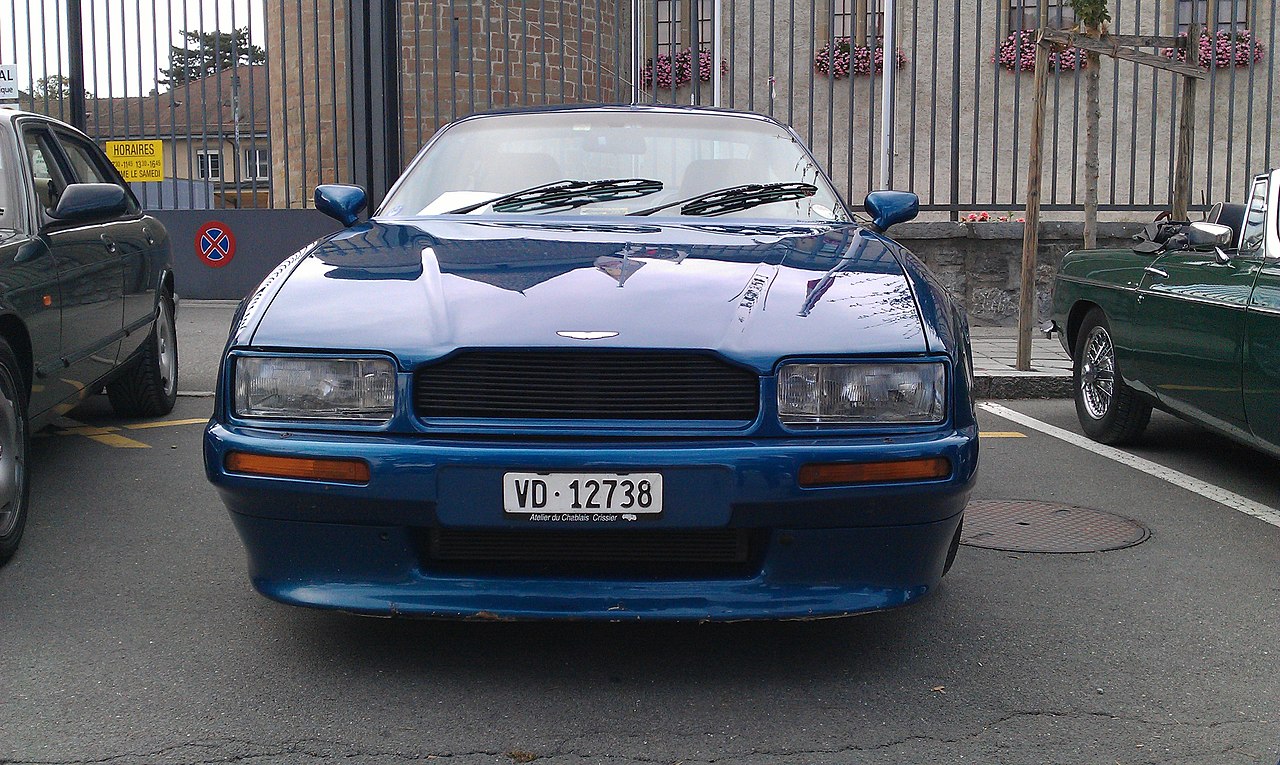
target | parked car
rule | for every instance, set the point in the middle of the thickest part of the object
(1186, 320)
(86, 295)
(603, 363)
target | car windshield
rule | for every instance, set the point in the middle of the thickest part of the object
(479, 161)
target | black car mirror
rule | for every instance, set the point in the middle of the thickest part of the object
(90, 201)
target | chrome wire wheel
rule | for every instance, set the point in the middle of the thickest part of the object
(166, 349)
(1098, 373)
(13, 459)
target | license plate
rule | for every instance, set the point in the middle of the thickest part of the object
(577, 494)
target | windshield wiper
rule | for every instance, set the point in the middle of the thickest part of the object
(736, 198)
(566, 195)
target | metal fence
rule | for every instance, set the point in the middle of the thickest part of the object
(257, 101)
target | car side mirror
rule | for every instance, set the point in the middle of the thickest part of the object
(90, 201)
(889, 208)
(341, 202)
(1210, 237)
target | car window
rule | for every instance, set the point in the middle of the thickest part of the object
(1255, 221)
(10, 202)
(689, 154)
(46, 175)
(90, 165)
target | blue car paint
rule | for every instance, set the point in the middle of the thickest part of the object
(828, 287)
(757, 293)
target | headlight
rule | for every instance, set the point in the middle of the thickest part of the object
(860, 394)
(324, 389)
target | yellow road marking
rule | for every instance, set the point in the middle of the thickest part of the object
(119, 442)
(167, 423)
(105, 435)
(1002, 434)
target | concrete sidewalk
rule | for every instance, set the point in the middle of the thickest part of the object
(203, 326)
(995, 354)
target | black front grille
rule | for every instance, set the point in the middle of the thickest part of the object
(586, 385)
(591, 546)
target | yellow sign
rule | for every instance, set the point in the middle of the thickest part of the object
(137, 160)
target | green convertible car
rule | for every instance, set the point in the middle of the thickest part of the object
(1186, 320)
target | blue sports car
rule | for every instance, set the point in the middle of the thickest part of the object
(604, 363)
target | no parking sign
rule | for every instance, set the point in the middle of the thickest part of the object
(215, 244)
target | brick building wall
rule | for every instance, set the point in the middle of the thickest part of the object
(308, 67)
(458, 57)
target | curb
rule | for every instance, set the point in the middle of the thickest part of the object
(1021, 386)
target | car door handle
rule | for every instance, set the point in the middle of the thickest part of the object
(1156, 272)
(109, 242)
(146, 232)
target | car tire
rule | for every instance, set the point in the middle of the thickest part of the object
(148, 387)
(15, 442)
(1109, 411)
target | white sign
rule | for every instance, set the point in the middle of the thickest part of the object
(8, 82)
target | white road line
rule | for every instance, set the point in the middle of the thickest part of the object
(1177, 478)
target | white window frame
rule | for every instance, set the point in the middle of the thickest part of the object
(203, 167)
(252, 163)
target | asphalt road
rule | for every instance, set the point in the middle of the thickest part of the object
(129, 634)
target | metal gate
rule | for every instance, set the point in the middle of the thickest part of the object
(257, 101)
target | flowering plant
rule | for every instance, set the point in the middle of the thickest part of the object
(1224, 49)
(679, 69)
(986, 217)
(1017, 53)
(840, 59)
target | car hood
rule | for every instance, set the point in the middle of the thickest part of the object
(420, 289)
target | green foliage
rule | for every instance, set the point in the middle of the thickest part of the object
(207, 53)
(54, 87)
(1091, 13)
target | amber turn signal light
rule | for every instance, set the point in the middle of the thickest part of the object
(309, 468)
(833, 473)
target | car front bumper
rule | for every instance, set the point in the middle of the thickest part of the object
(816, 551)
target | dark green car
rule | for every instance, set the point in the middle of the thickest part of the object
(1187, 320)
(86, 295)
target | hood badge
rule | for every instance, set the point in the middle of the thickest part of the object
(586, 335)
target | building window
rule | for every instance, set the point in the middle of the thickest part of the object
(209, 165)
(257, 165)
(1229, 15)
(1025, 14)
(668, 21)
(674, 36)
(861, 21)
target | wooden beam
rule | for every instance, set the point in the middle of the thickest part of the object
(1108, 47)
(1186, 133)
(1031, 229)
(1146, 41)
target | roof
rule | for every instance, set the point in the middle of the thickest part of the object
(201, 107)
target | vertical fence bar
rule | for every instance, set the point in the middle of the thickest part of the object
(471, 57)
(813, 82)
(1155, 82)
(977, 101)
(76, 63)
(1249, 170)
(955, 114)
(1271, 81)
(284, 95)
(915, 92)
(1211, 29)
(831, 86)
(995, 109)
(1231, 104)
(1133, 123)
(933, 104)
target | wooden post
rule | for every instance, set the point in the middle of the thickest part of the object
(1186, 131)
(1092, 122)
(1031, 229)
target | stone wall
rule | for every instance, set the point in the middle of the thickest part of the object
(981, 263)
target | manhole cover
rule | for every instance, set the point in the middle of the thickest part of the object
(1046, 527)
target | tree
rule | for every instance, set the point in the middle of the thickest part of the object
(54, 87)
(1094, 16)
(207, 53)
